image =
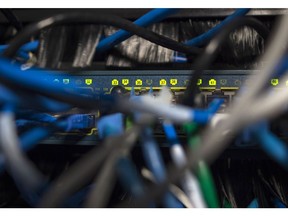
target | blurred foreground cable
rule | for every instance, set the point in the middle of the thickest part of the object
(84, 170)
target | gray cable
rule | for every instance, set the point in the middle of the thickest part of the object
(18, 164)
(105, 181)
(82, 171)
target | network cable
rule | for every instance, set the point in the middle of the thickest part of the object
(189, 181)
(211, 51)
(149, 18)
(84, 170)
(33, 29)
(204, 38)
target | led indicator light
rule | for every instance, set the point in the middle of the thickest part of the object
(173, 81)
(162, 82)
(275, 82)
(88, 81)
(138, 82)
(125, 81)
(56, 81)
(199, 82)
(223, 81)
(115, 82)
(212, 82)
(149, 81)
(66, 81)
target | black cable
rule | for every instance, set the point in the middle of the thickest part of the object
(84, 170)
(88, 18)
(211, 51)
(12, 18)
(105, 181)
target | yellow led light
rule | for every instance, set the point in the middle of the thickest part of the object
(199, 82)
(115, 82)
(138, 82)
(173, 81)
(88, 81)
(212, 82)
(163, 82)
(275, 82)
(125, 81)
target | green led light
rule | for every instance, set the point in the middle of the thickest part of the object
(66, 81)
(274, 82)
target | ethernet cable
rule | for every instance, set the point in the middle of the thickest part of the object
(111, 125)
(213, 138)
(36, 82)
(189, 181)
(155, 163)
(39, 81)
(147, 19)
(204, 38)
(272, 145)
(207, 36)
(254, 204)
(202, 171)
(210, 53)
(24, 50)
(23, 100)
(175, 190)
(176, 114)
(19, 166)
(76, 17)
(84, 170)
(129, 177)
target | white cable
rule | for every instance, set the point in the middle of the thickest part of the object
(178, 193)
(189, 181)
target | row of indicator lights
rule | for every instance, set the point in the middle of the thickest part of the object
(139, 82)
(173, 82)
(163, 82)
(67, 81)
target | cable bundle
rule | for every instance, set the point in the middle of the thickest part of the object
(125, 119)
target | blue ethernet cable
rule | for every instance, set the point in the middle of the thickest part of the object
(272, 145)
(254, 204)
(278, 203)
(149, 18)
(31, 138)
(129, 177)
(204, 38)
(35, 78)
(40, 80)
(7, 96)
(24, 50)
(155, 163)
